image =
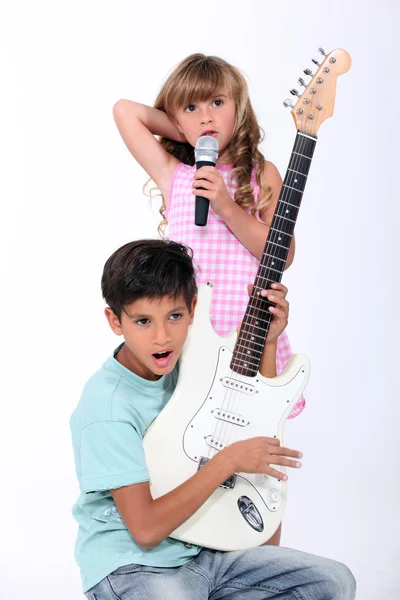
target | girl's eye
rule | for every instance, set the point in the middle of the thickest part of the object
(142, 321)
(218, 102)
(176, 316)
(190, 108)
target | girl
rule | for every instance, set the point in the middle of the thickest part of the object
(205, 95)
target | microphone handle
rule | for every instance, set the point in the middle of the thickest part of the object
(202, 204)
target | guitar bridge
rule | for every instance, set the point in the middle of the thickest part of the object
(228, 484)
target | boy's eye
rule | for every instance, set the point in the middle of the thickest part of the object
(190, 108)
(142, 321)
(176, 316)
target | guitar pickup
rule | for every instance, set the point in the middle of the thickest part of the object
(238, 386)
(228, 484)
(229, 417)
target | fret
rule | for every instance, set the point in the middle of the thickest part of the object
(286, 202)
(296, 180)
(298, 172)
(259, 318)
(294, 195)
(272, 256)
(280, 246)
(257, 324)
(252, 342)
(261, 310)
(274, 277)
(303, 155)
(280, 232)
(300, 164)
(243, 364)
(286, 218)
(282, 238)
(260, 329)
(262, 337)
(245, 353)
(285, 223)
(292, 188)
(270, 269)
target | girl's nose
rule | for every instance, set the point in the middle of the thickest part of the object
(206, 117)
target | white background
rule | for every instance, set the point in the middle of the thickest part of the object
(71, 194)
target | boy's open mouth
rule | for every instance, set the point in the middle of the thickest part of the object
(162, 359)
(160, 355)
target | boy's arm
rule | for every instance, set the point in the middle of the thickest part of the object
(268, 360)
(151, 521)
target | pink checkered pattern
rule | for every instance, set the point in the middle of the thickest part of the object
(220, 258)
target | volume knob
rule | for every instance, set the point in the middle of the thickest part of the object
(274, 495)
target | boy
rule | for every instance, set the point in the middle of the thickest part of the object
(123, 548)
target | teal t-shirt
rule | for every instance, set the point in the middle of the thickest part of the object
(114, 411)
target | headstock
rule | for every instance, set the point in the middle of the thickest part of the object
(315, 103)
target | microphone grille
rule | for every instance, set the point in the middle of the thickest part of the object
(206, 147)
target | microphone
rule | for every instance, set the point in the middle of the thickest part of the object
(205, 154)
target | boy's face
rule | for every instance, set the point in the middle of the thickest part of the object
(154, 330)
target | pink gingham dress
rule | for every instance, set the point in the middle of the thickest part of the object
(222, 260)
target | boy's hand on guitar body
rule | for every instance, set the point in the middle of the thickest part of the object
(256, 455)
(210, 181)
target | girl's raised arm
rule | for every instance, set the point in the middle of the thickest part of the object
(138, 124)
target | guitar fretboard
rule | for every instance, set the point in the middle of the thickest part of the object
(253, 332)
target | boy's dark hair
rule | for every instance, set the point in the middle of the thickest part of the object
(148, 269)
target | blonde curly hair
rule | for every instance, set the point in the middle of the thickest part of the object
(197, 79)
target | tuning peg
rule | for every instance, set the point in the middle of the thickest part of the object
(301, 82)
(308, 72)
(315, 61)
(295, 93)
(288, 103)
(321, 51)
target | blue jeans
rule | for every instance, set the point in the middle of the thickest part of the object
(266, 572)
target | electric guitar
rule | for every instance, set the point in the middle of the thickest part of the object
(221, 397)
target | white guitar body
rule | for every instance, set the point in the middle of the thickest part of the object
(212, 406)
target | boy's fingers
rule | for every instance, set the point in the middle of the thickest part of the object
(277, 293)
(279, 300)
(286, 452)
(279, 286)
(274, 473)
(287, 462)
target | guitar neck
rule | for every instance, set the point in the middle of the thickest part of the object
(253, 332)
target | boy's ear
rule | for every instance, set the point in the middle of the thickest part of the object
(192, 309)
(113, 321)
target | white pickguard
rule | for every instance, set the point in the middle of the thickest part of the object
(212, 407)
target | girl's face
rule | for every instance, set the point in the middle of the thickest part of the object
(215, 116)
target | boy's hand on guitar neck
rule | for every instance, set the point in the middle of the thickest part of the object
(256, 455)
(280, 312)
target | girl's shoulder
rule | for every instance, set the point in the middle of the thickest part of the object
(270, 177)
